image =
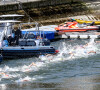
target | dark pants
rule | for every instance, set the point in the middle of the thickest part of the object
(17, 40)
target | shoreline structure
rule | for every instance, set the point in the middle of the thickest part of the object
(50, 11)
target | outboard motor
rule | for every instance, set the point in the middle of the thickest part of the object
(46, 42)
(42, 42)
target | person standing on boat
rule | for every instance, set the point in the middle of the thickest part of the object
(17, 35)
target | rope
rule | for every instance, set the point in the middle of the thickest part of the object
(20, 4)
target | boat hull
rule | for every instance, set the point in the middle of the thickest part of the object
(83, 21)
(1, 58)
(78, 30)
(23, 52)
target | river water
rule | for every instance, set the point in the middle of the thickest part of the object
(73, 68)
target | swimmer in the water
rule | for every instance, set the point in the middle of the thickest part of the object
(85, 45)
(49, 56)
(32, 64)
(97, 41)
(97, 33)
(92, 52)
(4, 74)
(89, 52)
(71, 54)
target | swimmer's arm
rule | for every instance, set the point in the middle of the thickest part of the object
(91, 52)
(48, 55)
(97, 33)
(97, 41)
(4, 74)
(32, 64)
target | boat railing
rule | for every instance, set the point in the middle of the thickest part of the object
(2, 34)
(35, 27)
(31, 24)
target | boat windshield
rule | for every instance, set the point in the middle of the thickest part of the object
(78, 24)
(81, 25)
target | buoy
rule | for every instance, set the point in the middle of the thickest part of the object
(84, 36)
(77, 36)
(73, 36)
(93, 36)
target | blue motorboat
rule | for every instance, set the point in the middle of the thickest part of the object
(26, 48)
(14, 45)
(26, 51)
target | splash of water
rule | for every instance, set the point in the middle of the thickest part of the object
(25, 79)
(69, 52)
(64, 54)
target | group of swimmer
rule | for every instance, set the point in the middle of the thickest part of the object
(5, 75)
(84, 48)
(51, 57)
